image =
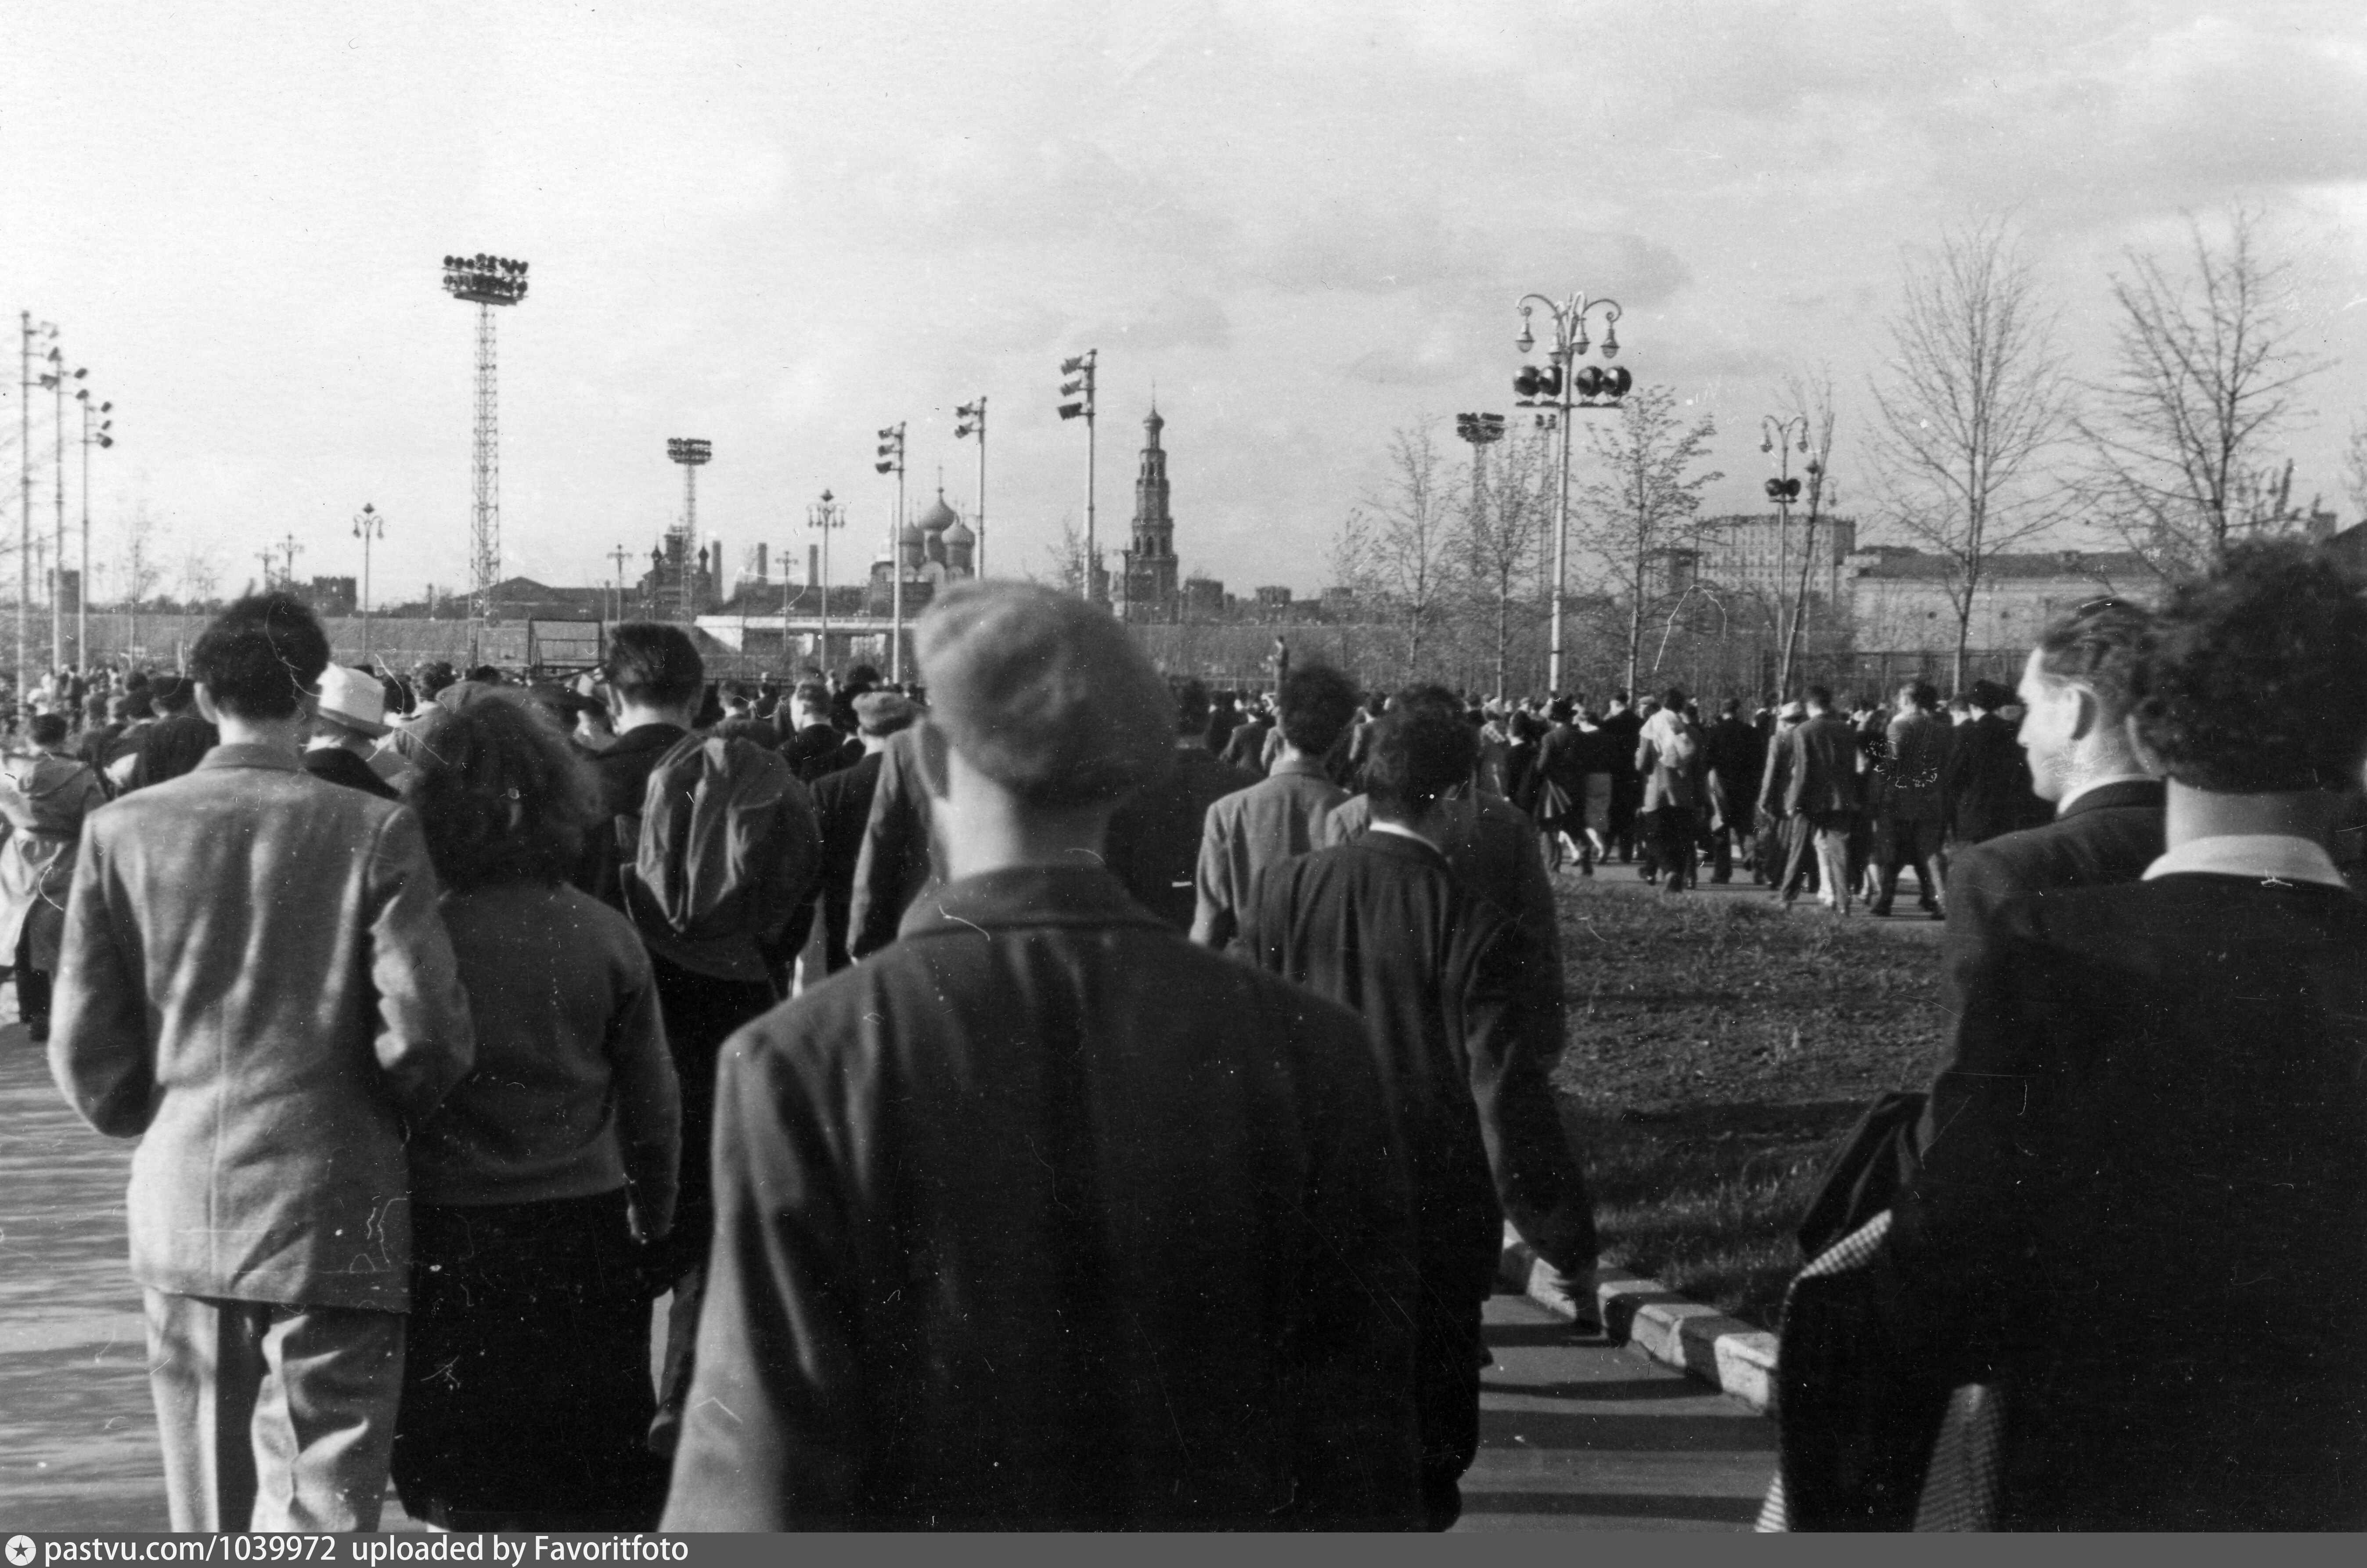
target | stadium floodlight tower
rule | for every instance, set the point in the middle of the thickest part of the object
(691, 452)
(485, 281)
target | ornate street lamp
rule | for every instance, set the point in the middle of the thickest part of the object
(826, 516)
(370, 523)
(1562, 386)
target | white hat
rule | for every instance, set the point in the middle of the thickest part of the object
(357, 701)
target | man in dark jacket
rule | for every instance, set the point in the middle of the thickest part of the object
(1909, 765)
(346, 727)
(815, 746)
(2077, 689)
(655, 678)
(1812, 783)
(1019, 1221)
(1382, 925)
(1624, 725)
(1735, 753)
(1154, 838)
(1987, 786)
(843, 808)
(2142, 1212)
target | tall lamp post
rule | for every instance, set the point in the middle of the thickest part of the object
(824, 516)
(620, 554)
(97, 431)
(692, 452)
(56, 379)
(1781, 436)
(488, 283)
(1483, 431)
(1079, 390)
(29, 333)
(972, 418)
(291, 545)
(370, 523)
(891, 461)
(1563, 386)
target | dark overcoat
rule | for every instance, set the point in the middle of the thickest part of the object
(1043, 1216)
(2144, 1211)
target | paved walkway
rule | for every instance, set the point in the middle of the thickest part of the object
(1576, 1433)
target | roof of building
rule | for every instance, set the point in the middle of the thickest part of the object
(1891, 562)
(939, 516)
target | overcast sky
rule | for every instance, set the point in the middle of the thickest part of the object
(781, 226)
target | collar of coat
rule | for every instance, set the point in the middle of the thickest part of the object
(1083, 895)
(247, 754)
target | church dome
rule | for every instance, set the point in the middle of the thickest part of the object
(960, 534)
(909, 534)
(939, 516)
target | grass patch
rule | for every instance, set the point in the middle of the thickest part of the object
(1718, 1049)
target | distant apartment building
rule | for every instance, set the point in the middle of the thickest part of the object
(1902, 600)
(1762, 553)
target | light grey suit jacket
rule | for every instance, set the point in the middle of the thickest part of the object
(257, 986)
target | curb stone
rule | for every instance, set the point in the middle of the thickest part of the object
(1723, 1351)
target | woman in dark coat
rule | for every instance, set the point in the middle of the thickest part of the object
(527, 1397)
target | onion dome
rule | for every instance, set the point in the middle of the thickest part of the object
(939, 516)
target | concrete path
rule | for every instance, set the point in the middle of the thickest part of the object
(1578, 1433)
(1575, 1433)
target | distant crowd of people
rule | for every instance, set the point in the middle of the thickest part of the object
(1051, 1096)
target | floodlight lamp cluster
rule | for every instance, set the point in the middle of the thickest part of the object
(689, 450)
(1479, 429)
(485, 280)
(1078, 386)
(892, 451)
(972, 418)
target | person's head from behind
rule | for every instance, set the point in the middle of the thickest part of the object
(1421, 753)
(2076, 696)
(260, 662)
(502, 797)
(1730, 708)
(1819, 699)
(48, 730)
(1987, 696)
(809, 704)
(653, 673)
(1045, 715)
(1674, 700)
(2253, 681)
(1318, 704)
(878, 715)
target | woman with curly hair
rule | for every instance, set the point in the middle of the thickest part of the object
(2141, 1220)
(526, 1395)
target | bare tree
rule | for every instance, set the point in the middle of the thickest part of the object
(2354, 464)
(1348, 567)
(198, 575)
(1812, 399)
(1511, 501)
(2205, 368)
(1065, 561)
(1641, 500)
(1413, 538)
(1972, 397)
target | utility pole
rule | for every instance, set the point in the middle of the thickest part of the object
(291, 546)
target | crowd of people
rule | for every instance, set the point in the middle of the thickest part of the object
(1055, 1097)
